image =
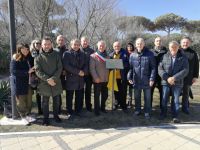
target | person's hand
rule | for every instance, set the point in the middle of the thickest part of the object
(130, 81)
(31, 70)
(51, 82)
(63, 72)
(151, 83)
(97, 80)
(81, 73)
(194, 80)
(171, 80)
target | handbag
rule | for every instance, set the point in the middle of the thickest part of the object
(33, 80)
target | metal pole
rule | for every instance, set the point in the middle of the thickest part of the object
(113, 89)
(12, 47)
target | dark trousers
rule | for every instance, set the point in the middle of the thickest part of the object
(175, 91)
(78, 100)
(120, 95)
(100, 89)
(147, 99)
(88, 86)
(185, 97)
(159, 87)
(39, 103)
(45, 106)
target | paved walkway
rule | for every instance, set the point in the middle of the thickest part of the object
(169, 137)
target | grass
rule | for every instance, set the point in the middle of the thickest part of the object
(112, 119)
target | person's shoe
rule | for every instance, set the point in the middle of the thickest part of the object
(137, 113)
(89, 109)
(57, 119)
(186, 111)
(175, 120)
(125, 111)
(40, 112)
(25, 121)
(45, 122)
(162, 117)
(30, 119)
(147, 116)
(97, 114)
(104, 111)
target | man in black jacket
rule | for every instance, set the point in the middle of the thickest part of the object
(61, 48)
(76, 68)
(158, 52)
(193, 71)
(88, 78)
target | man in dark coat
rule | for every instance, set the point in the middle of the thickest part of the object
(158, 52)
(75, 65)
(88, 78)
(48, 68)
(172, 69)
(121, 75)
(61, 48)
(193, 72)
(142, 76)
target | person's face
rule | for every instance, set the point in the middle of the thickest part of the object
(84, 43)
(37, 45)
(75, 46)
(173, 48)
(157, 42)
(25, 51)
(130, 48)
(46, 45)
(139, 45)
(116, 47)
(60, 41)
(101, 47)
(185, 43)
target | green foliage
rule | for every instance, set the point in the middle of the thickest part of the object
(4, 93)
(192, 26)
(4, 61)
(196, 47)
(169, 22)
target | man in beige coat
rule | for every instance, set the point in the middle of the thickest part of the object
(100, 77)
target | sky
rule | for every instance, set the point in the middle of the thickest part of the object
(189, 9)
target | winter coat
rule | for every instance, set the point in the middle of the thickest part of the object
(193, 65)
(98, 68)
(158, 54)
(142, 68)
(179, 71)
(20, 76)
(48, 65)
(125, 59)
(73, 63)
(88, 51)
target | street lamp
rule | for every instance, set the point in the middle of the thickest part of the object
(12, 47)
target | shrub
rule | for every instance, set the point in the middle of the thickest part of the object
(4, 61)
(4, 93)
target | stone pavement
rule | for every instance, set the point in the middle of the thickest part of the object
(168, 137)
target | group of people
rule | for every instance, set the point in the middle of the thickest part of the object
(76, 69)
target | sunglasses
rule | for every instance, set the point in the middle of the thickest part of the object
(37, 43)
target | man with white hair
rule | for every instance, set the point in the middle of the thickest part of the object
(142, 76)
(100, 77)
(172, 70)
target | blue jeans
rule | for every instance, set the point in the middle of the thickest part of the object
(147, 99)
(175, 92)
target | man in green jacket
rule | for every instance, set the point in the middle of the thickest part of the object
(48, 68)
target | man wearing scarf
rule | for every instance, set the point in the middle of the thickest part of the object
(100, 77)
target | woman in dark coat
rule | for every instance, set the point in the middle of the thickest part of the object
(21, 67)
(130, 49)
